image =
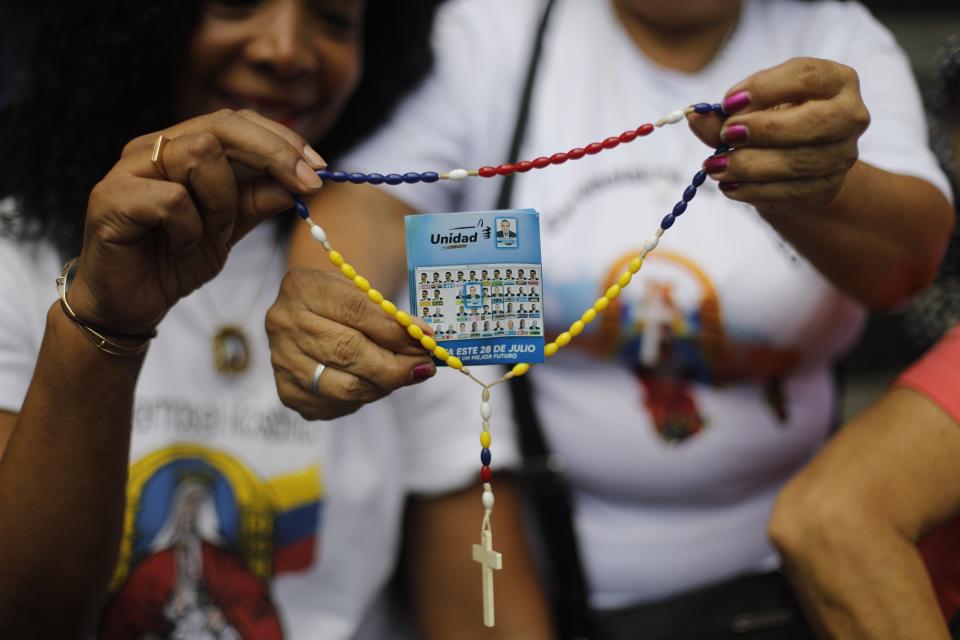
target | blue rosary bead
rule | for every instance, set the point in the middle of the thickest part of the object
(357, 178)
(702, 108)
(411, 178)
(688, 193)
(338, 176)
(429, 176)
(679, 208)
(721, 149)
(301, 208)
(485, 457)
(393, 178)
(375, 178)
(667, 221)
(718, 109)
(699, 178)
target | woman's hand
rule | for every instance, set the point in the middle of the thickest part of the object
(794, 131)
(151, 239)
(319, 317)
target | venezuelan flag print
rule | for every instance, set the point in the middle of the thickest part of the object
(203, 538)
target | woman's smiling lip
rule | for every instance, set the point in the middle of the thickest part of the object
(281, 110)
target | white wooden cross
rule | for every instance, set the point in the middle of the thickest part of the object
(654, 314)
(490, 560)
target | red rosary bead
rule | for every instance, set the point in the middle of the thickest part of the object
(645, 129)
(506, 169)
(611, 142)
(594, 148)
(628, 136)
(558, 158)
(487, 172)
(541, 162)
(577, 153)
(523, 166)
(485, 473)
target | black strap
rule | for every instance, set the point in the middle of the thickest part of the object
(543, 482)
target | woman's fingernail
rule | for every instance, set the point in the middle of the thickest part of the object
(422, 372)
(716, 164)
(307, 175)
(727, 187)
(313, 157)
(737, 102)
(734, 133)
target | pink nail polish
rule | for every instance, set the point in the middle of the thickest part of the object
(716, 164)
(727, 187)
(737, 102)
(734, 133)
(422, 371)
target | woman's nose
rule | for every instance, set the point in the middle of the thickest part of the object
(283, 44)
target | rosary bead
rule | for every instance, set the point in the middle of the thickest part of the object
(563, 339)
(576, 328)
(612, 292)
(485, 457)
(541, 162)
(651, 243)
(674, 117)
(428, 342)
(576, 153)
(485, 474)
(484, 172)
(404, 319)
(454, 362)
(689, 192)
(679, 208)
(389, 307)
(411, 177)
(588, 316)
(441, 354)
(601, 304)
(335, 258)
(375, 178)
(635, 265)
(628, 136)
(718, 109)
(558, 158)
(429, 176)
(721, 149)
(506, 169)
(523, 166)
(318, 233)
(594, 148)
(393, 178)
(645, 129)
(357, 178)
(624, 279)
(703, 108)
(485, 410)
(375, 296)
(485, 439)
(361, 283)
(550, 349)
(348, 271)
(520, 369)
(487, 500)
(302, 209)
(485, 396)
(667, 221)
(415, 331)
(612, 142)
(699, 178)
(338, 176)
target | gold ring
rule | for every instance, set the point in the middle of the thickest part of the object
(157, 156)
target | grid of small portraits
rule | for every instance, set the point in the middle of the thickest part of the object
(480, 301)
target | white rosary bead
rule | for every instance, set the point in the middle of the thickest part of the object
(318, 233)
(458, 174)
(485, 411)
(674, 117)
(651, 243)
(488, 500)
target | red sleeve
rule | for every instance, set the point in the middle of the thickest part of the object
(937, 374)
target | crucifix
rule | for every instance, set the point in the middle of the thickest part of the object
(489, 560)
(654, 313)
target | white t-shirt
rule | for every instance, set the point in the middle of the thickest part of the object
(289, 528)
(707, 383)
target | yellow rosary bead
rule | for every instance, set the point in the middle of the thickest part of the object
(625, 279)
(588, 316)
(576, 328)
(454, 362)
(361, 283)
(415, 332)
(441, 354)
(550, 349)
(612, 292)
(389, 307)
(404, 319)
(520, 369)
(485, 439)
(428, 342)
(375, 296)
(563, 339)
(601, 304)
(335, 258)
(635, 265)
(348, 271)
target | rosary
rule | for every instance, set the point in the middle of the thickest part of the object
(484, 553)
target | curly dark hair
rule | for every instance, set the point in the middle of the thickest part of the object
(103, 73)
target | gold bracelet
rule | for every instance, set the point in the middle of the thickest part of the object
(98, 336)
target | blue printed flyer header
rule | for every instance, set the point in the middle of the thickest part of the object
(475, 278)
